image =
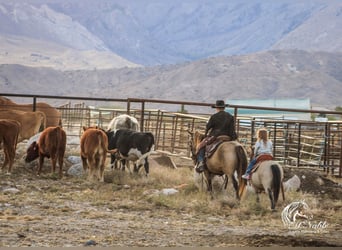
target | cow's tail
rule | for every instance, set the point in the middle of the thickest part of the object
(43, 121)
(102, 145)
(139, 161)
(61, 140)
(112, 151)
(276, 182)
(54, 137)
(17, 137)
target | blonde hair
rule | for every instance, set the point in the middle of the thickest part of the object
(262, 135)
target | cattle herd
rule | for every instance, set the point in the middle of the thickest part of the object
(122, 139)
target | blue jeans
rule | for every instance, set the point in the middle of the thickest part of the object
(200, 155)
(251, 165)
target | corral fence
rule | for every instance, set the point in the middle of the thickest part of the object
(295, 142)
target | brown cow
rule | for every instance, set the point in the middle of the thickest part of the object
(31, 122)
(53, 116)
(9, 133)
(94, 148)
(51, 144)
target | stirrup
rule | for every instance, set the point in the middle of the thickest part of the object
(200, 167)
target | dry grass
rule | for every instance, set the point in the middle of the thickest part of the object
(133, 202)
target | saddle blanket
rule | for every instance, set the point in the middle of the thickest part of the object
(211, 148)
(260, 159)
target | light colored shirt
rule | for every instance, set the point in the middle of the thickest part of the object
(261, 148)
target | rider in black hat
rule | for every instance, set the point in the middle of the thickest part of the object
(220, 123)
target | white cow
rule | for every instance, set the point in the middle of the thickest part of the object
(124, 122)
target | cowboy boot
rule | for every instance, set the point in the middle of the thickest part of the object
(200, 167)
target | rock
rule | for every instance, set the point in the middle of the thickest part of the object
(90, 243)
(320, 181)
(10, 190)
(164, 191)
(292, 184)
(32, 139)
(74, 159)
(76, 170)
(169, 191)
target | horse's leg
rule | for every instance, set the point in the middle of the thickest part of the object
(257, 197)
(236, 186)
(147, 167)
(225, 183)
(270, 195)
(282, 190)
(210, 186)
(209, 178)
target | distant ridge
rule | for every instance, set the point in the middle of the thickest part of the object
(264, 75)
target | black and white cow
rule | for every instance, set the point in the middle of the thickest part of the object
(123, 121)
(133, 146)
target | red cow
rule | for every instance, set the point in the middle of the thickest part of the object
(51, 143)
(9, 133)
(94, 148)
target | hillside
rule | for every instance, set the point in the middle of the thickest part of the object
(273, 74)
(165, 32)
(35, 53)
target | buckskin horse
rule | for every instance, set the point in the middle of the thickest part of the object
(267, 176)
(229, 156)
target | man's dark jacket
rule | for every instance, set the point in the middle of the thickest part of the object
(221, 123)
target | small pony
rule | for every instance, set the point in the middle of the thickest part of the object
(229, 157)
(266, 176)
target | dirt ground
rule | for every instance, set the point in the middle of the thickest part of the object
(44, 211)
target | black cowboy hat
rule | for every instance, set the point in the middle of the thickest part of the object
(219, 104)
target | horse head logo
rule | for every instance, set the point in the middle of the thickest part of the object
(294, 212)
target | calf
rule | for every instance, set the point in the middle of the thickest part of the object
(9, 133)
(51, 143)
(94, 148)
(133, 146)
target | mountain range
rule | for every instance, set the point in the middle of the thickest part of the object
(196, 50)
(156, 32)
(272, 74)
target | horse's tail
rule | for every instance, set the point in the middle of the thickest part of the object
(242, 163)
(276, 183)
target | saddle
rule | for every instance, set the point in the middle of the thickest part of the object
(260, 159)
(213, 144)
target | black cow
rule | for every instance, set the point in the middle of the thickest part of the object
(133, 146)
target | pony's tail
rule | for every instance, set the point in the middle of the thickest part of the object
(276, 181)
(243, 162)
